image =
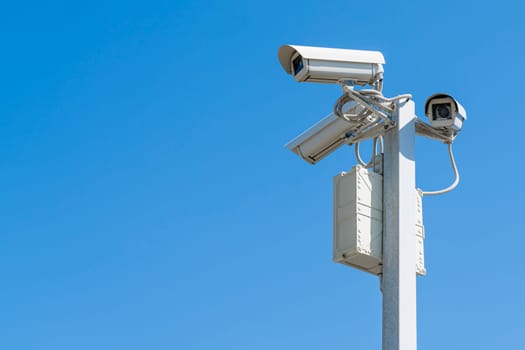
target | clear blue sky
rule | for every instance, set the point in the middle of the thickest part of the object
(147, 201)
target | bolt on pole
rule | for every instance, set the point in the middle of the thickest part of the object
(398, 281)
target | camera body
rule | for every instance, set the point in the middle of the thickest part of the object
(445, 112)
(331, 66)
(325, 136)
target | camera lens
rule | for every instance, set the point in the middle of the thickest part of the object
(297, 65)
(441, 111)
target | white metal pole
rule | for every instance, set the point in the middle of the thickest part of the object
(398, 282)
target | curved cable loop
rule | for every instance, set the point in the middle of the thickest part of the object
(361, 100)
(456, 174)
(338, 107)
(358, 156)
(365, 98)
(370, 164)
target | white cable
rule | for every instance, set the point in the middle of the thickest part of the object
(377, 94)
(456, 173)
(338, 108)
(392, 99)
(363, 101)
(374, 153)
(364, 97)
(358, 156)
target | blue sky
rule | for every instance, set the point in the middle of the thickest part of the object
(148, 202)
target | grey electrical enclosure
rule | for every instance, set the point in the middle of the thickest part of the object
(358, 221)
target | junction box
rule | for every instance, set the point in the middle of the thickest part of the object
(358, 221)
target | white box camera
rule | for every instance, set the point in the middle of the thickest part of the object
(445, 112)
(328, 65)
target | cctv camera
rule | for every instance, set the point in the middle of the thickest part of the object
(327, 135)
(327, 65)
(445, 112)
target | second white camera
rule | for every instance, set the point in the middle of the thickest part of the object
(445, 112)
